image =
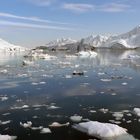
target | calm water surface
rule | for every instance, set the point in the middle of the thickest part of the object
(110, 81)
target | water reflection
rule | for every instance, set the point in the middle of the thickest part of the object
(110, 80)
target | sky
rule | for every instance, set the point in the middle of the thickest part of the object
(31, 23)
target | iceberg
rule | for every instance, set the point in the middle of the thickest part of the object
(8, 47)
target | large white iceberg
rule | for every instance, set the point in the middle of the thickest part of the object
(104, 131)
(8, 47)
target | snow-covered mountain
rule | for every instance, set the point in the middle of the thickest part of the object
(8, 47)
(95, 41)
(61, 42)
(129, 40)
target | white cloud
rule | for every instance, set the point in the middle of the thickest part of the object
(28, 25)
(109, 7)
(41, 2)
(114, 7)
(78, 7)
(35, 19)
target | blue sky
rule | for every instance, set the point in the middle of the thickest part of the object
(35, 22)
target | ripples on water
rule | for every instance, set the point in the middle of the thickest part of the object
(46, 91)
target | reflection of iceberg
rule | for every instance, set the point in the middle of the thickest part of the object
(87, 54)
(7, 58)
(104, 131)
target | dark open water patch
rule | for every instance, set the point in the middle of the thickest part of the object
(48, 92)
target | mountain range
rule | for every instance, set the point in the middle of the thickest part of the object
(129, 40)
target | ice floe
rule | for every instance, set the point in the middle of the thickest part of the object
(76, 118)
(104, 110)
(137, 111)
(124, 83)
(5, 122)
(106, 80)
(52, 107)
(118, 115)
(45, 130)
(4, 71)
(100, 130)
(56, 124)
(3, 98)
(26, 125)
(7, 137)
(21, 107)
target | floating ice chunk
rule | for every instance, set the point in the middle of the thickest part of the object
(26, 125)
(5, 122)
(4, 71)
(101, 73)
(42, 83)
(35, 117)
(76, 118)
(53, 107)
(113, 94)
(56, 124)
(27, 62)
(68, 76)
(45, 130)
(129, 121)
(100, 130)
(7, 137)
(106, 80)
(137, 111)
(92, 111)
(34, 83)
(37, 128)
(129, 114)
(103, 110)
(118, 115)
(124, 84)
(22, 107)
(6, 114)
(3, 98)
(22, 75)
